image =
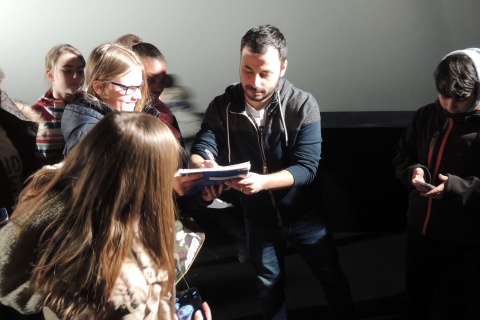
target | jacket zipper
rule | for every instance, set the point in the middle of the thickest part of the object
(437, 166)
(265, 171)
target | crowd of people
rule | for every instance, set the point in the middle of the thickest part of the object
(88, 179)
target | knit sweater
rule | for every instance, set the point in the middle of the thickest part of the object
(136, 294)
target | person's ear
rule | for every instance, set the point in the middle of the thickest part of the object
(49, 74)
(98, 87)
(283, 68)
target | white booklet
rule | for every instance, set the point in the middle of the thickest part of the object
(217, 175)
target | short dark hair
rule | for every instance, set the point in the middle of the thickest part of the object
(260, 38)
(148, 50)
(456, 76)
(142, 49)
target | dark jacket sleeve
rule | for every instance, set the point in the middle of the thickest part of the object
(465, 190)
(209, 133)
(306, 154)
(406, 159)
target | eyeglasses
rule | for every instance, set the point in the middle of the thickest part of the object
(129, 90)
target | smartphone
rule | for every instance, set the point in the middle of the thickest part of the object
(187, 303)
(428, 185)
(3, 216)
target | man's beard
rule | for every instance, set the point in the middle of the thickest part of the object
(266, 94)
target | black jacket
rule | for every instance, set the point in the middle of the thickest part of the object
(22, 132)
(290, 140)
(448, 144)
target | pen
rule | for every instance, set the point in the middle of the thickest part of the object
(210, 155)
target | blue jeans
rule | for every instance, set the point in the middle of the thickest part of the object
(314, 243)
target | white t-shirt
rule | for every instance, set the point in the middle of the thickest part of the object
(257, 115)
(12, 162)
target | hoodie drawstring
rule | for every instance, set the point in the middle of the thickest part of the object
(282, 117)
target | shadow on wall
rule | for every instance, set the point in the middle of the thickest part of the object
(358, 184)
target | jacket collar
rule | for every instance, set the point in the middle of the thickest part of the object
(459, 117)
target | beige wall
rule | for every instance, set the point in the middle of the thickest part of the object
(353, 55)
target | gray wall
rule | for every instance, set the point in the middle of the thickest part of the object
(353, 55)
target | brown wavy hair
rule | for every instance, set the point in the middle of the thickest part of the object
(119, 179)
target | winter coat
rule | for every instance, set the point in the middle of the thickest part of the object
(455, 217)
(21, 125)
(443, 143)
(78, 118)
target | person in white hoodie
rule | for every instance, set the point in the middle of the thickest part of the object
(441, 147)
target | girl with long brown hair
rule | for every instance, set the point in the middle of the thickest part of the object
(94, 239)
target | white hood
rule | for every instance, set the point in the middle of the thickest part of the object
(474, 54)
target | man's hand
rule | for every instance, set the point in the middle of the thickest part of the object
(198, 162)
(255, 182)
(252, 184)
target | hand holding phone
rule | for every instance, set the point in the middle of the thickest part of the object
(427, 185)
(187, 303)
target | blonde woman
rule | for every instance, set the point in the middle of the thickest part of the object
(114, 79)
(94, 239)
(64, 70)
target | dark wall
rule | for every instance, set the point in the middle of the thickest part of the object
(358, 186)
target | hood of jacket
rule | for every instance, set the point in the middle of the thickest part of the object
(18, 109)
(84, 111)
(474, 54)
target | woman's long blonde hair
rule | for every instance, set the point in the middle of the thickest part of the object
(119, 178)
(110, 61)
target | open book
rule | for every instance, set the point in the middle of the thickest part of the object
(217, 175)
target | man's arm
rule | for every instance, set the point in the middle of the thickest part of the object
(254, 182)
(281, 179)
